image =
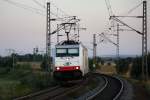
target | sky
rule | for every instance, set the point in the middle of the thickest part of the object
(23, 30)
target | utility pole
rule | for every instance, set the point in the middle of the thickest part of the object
(94, 50)
(13, 59)
(78, 32)
(11, 53)
(117, 51)
(48, 35)
(144, 42)
(57, 34)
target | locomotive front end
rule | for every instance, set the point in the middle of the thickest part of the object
(67, 62)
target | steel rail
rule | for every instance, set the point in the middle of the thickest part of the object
(106, 83)
(61, 95)
(105, 87)
(51, 93)
(121, 90)
(37, 93)
(57, 92)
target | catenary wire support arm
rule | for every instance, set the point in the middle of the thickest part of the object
(61, 26)
(109, 40)
(118, 20)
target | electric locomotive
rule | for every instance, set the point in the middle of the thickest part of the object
(71, 60)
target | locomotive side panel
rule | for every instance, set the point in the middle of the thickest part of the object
(84, 59)
(81, 59)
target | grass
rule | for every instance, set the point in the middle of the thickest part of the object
(22, 81)
(12, 88)
(147, 86)
(109, 69)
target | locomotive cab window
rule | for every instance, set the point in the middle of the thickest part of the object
(61, 52)
(73, 52)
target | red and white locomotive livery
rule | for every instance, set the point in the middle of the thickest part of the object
(71, 60)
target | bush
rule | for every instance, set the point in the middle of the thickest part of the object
(148, 59)
(136, 68)
(97, 62)
(4, 70)
(20, 79)
(123, 65)
(37, 81)
(44, 65)
(91, 64)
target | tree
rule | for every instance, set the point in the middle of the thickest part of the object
(44, 65)
(136, 68)
(123, 64)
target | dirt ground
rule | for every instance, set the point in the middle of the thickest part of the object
(140, 93)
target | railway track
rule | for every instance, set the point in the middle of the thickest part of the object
(110, 91)
(54, 93)
(36, 94)
(50, 94)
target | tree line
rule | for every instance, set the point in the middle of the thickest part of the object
(136, 66)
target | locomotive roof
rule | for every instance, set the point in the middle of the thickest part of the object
(70, 42)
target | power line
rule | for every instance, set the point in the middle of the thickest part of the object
(118, 20)
(109, 40)
(54, 5)
(109, 7)
(64, 14)
(26, 7)
(38, 3)
(29, 8)
(134, 8)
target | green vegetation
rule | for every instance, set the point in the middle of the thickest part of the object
(134, 65)
(137, 68)
(123, 65)
(21, 75)
(44, 65)
(91, 64)
(147, 86)
(20, 79)
(97, 65)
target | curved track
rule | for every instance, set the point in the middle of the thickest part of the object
(112, 90)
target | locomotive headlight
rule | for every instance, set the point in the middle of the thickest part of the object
(57, 68)
(77, 67)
